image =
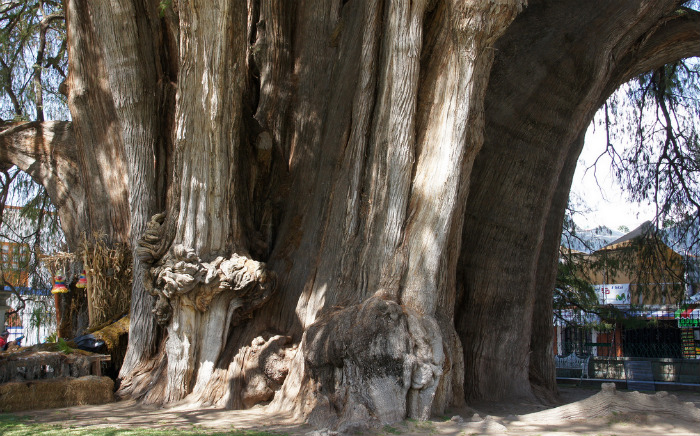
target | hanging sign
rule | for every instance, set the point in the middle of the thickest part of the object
(613, 294)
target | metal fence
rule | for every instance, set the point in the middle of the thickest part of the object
(631, 333)
(626, 349)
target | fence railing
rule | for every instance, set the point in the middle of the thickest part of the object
(664, 370)
(626, 349)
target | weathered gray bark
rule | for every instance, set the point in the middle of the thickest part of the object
(325, 192)
(100, 156)
(392, 234)
(399, 178)
(119, 77)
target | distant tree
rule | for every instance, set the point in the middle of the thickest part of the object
(30, 231)
(652, 129)
(651, 125)
(33, 61)
(41, 315)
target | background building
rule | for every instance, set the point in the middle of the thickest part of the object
(646, 300)
(26, 303)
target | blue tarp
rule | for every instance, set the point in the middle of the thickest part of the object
(24, 290)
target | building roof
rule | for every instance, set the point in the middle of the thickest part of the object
(645, 229)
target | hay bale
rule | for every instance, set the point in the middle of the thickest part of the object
(41, 362)
(53, 393)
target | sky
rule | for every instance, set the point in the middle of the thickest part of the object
(604, 198)
(607, 203)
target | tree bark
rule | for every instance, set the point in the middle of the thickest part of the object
(542, 371)
(101, 152)
(131, 40)
(543, 92)
(360, 201)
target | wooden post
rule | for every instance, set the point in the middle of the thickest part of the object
(88, 289)
(57, 303)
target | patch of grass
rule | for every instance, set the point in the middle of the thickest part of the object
(8, 418)
(426, 426)
(13, 425)
(391, 430)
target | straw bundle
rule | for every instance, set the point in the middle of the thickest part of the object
(108, 273)
(53, 393)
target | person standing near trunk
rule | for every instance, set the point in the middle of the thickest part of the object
(3, 340)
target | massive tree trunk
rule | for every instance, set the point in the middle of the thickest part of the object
(359, 214)
(125, 49)
(545, 86)
(379, 183)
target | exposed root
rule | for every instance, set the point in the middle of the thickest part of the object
(154, 243)
(262, 367)
(366, 365)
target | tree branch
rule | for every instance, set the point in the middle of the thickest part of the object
(47, 152)
(675, 37)
(26, 144)
(7, 85)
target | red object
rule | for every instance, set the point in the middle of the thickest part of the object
(82, 281)
(59, 285)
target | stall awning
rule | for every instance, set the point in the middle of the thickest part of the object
(688, 316)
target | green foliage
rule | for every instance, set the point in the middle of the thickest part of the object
(36, 225)
(391, 430)
(653, 130)
(39, 316)
(63, 346)
(653, 270)
(31, 230)
(602, 326)
(571, 289)
(13, 425)
(33, 63)
(52, 337)
(29, 76)
(163, 6)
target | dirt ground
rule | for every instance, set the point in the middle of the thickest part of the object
(583, 412)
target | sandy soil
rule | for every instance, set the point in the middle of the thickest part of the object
(582, 412)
